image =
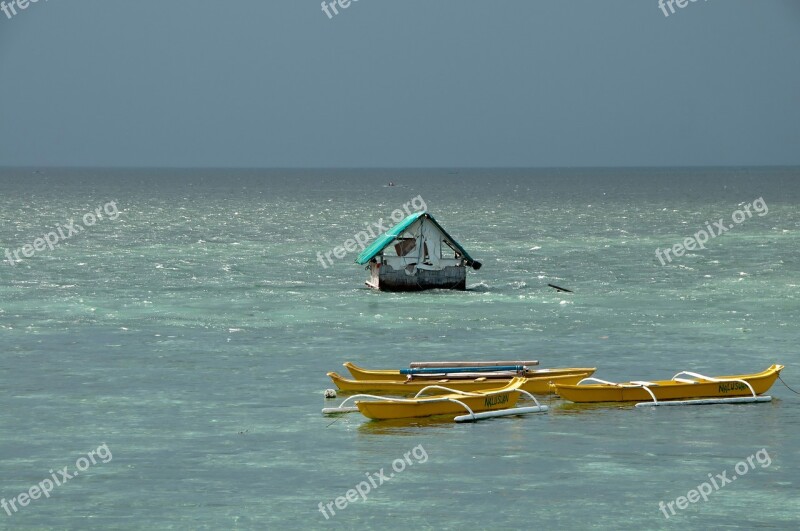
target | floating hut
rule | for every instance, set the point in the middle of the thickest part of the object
(415, 255)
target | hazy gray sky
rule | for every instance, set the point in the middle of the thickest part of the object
(275, 83)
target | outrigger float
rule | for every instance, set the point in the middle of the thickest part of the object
(474, 406)
(685, 388)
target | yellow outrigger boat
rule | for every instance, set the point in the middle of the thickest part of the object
(538, 381)
(685, 388)
(475, 405)
(359, 373)
(365, 374)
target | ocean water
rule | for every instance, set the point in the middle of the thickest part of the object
(186, 343)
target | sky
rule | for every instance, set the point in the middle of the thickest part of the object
(400, 83)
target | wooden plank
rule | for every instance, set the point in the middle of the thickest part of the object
(435, 364)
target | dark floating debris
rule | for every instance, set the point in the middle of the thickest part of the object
(560, 289)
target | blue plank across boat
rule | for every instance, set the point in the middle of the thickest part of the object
(453, 370)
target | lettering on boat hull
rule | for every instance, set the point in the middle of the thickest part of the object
(490, 401)
(727, 387)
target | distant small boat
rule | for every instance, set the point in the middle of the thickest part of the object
(684, 388)
(472, 406)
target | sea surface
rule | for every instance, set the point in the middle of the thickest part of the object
(186, 343)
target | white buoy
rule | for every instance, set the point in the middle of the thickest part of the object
(330, 393)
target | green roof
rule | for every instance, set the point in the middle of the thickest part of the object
(386, 239)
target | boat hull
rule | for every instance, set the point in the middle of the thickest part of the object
(670, 389)
(386, 278)
(538, 384)
(439, 405)
(360, 373)
(393, 375)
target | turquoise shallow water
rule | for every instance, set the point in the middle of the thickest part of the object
(193, 333)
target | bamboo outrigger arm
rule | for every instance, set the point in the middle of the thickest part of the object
(708, 401)
(471, 416)
(694, 402)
